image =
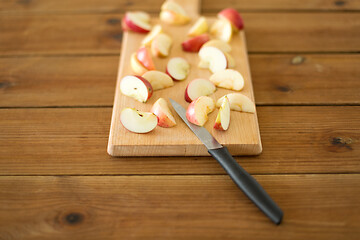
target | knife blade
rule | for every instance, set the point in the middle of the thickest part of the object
(247, 184)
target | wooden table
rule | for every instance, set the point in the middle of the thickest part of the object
(58, 63)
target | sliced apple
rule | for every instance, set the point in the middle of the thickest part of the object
(151, 35)
(162, 111)
(137, 22)
(194, 44)
(178, 68)
(144, 57)
(222, 121)
(136, 66)
(229, 79)
(158, 80)
(198, 110)
(203, 64)
(233, 17)
(160, 46)
(138, 121)
(222, 29)
(197, 88)
(223, 46)
(200, 27)
(238, 102)
(173, 13)
(215, 57)
(136, 87)
(230, 60)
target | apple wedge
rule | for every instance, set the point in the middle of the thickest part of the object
(223, 46)
(157, 29)
(199, 27)
(221, 29)
(144, 57)
(136, 66)
(238, 102)
(194, 44)
(137, 22)
(233, 17)
(160, 46)
(173, 13)
(136, 87)
(203, 64)
(215, 57)
(198, 110)
(162, 111)
(222, 121)
(197, 88)
(178, 68)
(158, 80)
(137, 121)
(230, 60)
(229, 79)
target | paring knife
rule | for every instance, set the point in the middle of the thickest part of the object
(250, 187)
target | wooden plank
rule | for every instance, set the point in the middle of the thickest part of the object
(90, 81)
(101, 34)
(176, 207)
(242, 137)
(73, 141)
(111, 6)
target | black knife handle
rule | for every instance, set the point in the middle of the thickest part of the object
(252, 189)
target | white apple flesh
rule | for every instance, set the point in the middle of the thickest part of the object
(238, 102)
(157, 29)
(197, 88)
(136, 87)
(178, 68)
(199, 27)
(198, 110)
(160, 46)
(216, 58)
(158, 80)
(173, 13)
(222, 121)
(162, 111)
(136, 66)
(223, 46)
(229, 79)
(137, 121)
(137, 22)
(222, 29)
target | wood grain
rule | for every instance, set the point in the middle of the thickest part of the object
(176, 207)
(111, 6)
(101, 34)
(90, 80)
(242, 137)
(73, 141)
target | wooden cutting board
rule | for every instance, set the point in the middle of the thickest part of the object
(242, 137)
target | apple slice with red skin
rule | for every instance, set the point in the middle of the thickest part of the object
(144, 57)
(137, 121)
(233, 17)
(216, 58)
(136, 66)
(137, 22)
(178, 68)
(158, 80)
(136, 87)
(238, 102)
(194, 44)
(198, 110)
(229, 79)
(197, 88)
(162, 111)
(173, 13)
(222, 121)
